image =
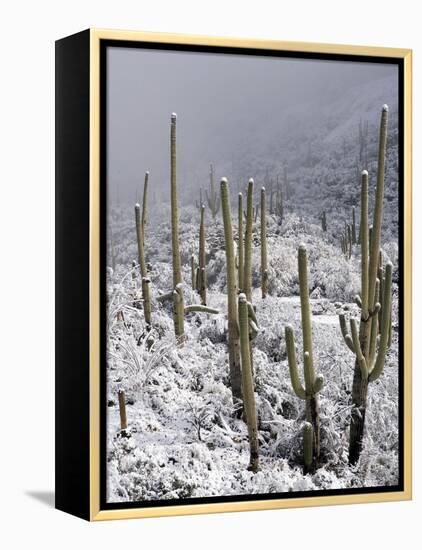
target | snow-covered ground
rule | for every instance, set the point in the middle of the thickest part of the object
(185, 437)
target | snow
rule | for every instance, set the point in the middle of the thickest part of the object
(185, 438)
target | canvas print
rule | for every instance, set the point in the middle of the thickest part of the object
(252, 319)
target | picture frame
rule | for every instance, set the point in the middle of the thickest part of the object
(82, 165)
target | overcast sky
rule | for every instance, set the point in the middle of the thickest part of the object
(222, 101)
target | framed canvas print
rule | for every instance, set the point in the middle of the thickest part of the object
(233, 274)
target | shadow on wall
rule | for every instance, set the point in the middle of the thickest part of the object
(45, 497)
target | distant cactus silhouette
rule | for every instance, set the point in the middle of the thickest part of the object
(212, 196)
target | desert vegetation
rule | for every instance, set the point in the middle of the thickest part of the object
(216, 310)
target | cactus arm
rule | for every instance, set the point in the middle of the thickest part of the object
(318, 384)
(346, 336)
(165, 297)
(358, 301)
(358, 350)
(253, 332)
(200, 309)
(252, 314)
(291, 359)
(308, 444)
(378, 367)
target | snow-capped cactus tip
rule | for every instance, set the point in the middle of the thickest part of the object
(302, 246)
(173, 116)
(250, 180)
(147, 173)
(240, 195)
(385, 108)
(224, 180)
(242, 297)
(137, 206)
(262, 188)
(364, 172)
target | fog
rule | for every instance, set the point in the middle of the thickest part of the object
(229, 107)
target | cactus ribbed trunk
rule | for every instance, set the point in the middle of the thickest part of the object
(264, 260)
(247, 274)
(247, 384)
(202, 271)
(240, 245)
(312, 399)
(178, 302)
(144, 206)
(232, 312)
(146, 296)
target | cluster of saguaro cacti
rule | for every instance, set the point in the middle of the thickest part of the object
(212, 195)
(363, 340)
(179, 308)
(313, 382)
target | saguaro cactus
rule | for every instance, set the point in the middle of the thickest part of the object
(202, 283)
(264, 260)
(212, 196)
(369, 363)
(232, 312)
(247, 383)
(178, 300)
(354, 237)
(324, 221)
(240, 244)
(193, 271)
(144, 207)
(146, 298)
(247, 272)
(313, 383)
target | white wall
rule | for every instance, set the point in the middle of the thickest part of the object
(27, 274)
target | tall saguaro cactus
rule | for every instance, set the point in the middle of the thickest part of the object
(362, 341)
(144, 206)
(240, 244)
(212, 196)
(313, 383)
(202, 283)
(247, 383)
(247, 272)
(142, 266)
(232, 312)
(178, 300)
(264, 259)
